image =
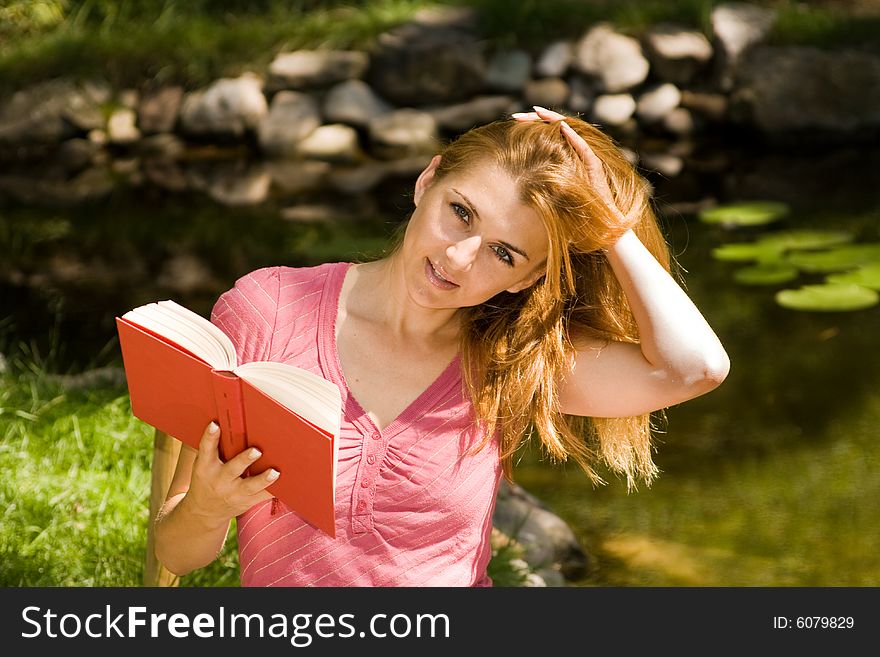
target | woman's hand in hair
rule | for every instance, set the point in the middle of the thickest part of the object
(595, 169)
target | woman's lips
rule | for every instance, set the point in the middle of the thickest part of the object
(436, 277)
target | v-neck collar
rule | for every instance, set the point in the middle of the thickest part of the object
(328, 313)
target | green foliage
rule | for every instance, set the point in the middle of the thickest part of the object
(744, 251)
(806, 239)
(840, 258)
(508, 567)
(866, 276)
(192, 44)
(828, 297)
(766, 273)
(745, 213)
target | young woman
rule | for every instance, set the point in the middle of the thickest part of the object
(529, 295)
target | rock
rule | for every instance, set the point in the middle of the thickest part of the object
(614, 109)
(614, 59)
(294, 177)
(796, 90)
(418, 64)
(555, 60)
(48, 113)
(121, 127)
(408, 167)
(737, 27)
(358, 179)
(665, 164)
(233, 183)
(508, 71)
(547, 540)
(76, 154)
(158, 110)
(129, 98)
(165, 174)
(97, 136)
(402, 133)
(655, 103)
(163, 146)
(677, 54)
(679, 122)
(230, 107)
(292, 117)
(460, 18)
(711, 106)
(464, 116)
(546, 92)
(332, 143)
(308, 69)
(582, 96)
(355, 103)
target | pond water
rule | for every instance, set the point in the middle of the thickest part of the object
(772, 479)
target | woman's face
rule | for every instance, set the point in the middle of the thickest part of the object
(470, 237)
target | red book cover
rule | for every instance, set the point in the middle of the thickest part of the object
(180, 394)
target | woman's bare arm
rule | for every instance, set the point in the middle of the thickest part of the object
(679, 356)
(204, 495)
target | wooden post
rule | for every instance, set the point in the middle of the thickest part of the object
(165, 452)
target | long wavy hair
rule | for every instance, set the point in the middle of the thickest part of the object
(517, 347)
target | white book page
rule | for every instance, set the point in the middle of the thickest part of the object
(309, 395)
(222, 340)
(183, 327)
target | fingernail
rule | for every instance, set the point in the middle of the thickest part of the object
(517, 115)
(273, 474)
(213, 428)
(255, 453)
(538, 108)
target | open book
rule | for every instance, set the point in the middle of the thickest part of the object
(182, 373)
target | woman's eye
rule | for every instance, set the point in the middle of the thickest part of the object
(462, 213)
(503, 255)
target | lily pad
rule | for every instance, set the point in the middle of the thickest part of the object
(806, 239)
(840, 258)
(830, 297)
(766, 273)
(748, 213)
(744, 251)
(867, 276)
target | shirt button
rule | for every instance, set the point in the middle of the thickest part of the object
(365, 484)
(362, 506)
(376, 435)
(371, 459)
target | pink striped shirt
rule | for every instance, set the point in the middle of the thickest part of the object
(412, 508)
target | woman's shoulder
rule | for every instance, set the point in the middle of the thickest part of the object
(273, 282)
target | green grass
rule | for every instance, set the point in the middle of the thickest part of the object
(75, 497)
(184, 45)
(193, 43)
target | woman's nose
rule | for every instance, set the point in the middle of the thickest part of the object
(461, 254)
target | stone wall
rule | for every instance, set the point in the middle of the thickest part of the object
(387, 109)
